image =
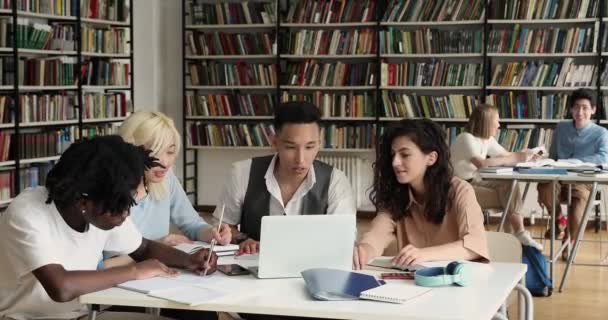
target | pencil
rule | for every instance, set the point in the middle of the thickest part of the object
(213, 241)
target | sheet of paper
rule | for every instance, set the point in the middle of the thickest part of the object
(190, 295)
(152, 284)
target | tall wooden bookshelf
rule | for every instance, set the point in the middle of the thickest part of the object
(429, 59)
(66, 73)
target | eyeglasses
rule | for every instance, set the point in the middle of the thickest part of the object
(584, 107)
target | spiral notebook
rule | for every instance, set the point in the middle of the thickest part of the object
(394, 293)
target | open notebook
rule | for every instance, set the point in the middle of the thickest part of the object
(394, 293)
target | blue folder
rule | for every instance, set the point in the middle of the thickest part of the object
(540, 170)
(334, 285)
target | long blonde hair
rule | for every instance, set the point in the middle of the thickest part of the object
(480, 121)
(153, 130)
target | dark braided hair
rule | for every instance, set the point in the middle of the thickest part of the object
(388, 194)
(105, 170)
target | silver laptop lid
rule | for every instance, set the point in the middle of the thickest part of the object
(291, 244)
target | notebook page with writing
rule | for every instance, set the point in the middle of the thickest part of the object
(394, 293)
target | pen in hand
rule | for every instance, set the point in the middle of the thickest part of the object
(213, 241)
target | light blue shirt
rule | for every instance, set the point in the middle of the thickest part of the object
(153, 217)
(588, 144)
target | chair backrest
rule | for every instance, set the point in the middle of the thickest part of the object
(504, 247)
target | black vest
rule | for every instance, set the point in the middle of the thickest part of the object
(257, 198)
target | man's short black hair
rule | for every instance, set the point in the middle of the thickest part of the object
(582, 94)
(106, 170)
(296, 113)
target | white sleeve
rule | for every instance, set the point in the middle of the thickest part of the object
(27, 242)
(468, 147)
(340, 196)
(233, 194)
(123, 239)
(495, 149)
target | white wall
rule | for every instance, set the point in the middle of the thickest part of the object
(158, 55)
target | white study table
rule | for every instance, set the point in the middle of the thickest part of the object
(570, 178)
(288, 297)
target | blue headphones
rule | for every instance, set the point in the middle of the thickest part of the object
(454, 273)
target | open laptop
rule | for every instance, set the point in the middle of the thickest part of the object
(291, 244)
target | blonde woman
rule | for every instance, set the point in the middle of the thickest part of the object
(160, 198)
(477, 148)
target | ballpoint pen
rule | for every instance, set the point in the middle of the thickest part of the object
(213, 241)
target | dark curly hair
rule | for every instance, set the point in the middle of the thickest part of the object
(388, 194)
(105, 170)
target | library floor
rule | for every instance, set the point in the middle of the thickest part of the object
(585, 295)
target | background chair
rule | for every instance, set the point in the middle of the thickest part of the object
(504, 247)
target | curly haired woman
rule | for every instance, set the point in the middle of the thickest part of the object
(434, 215)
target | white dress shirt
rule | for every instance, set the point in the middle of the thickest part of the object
(340, 198)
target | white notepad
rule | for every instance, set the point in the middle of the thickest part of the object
(394, 293)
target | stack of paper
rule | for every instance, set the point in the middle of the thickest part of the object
(220, 250)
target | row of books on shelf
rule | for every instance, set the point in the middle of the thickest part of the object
(330, 42)
(335, 11)
(116, 10)
(39, 36)
(333, 136)
(512, 139)
(515, 139)
(427, 40)
(60, 107)
(437, 73)
(99, 130)
(212, 73)
(314, 73)
(105, 105)
(518, 39)
(47, 143)
(56, 107)
(540, 74)
(53, 7)
(345, 11)
(230, 135)
(104, 40)
(221, 43)
(349, 105)
(229, 104)
(412, 10)
(245, 12)
(529, 105)
(61, 71)
(455, 106)
(53, 71)
(98, 72)
(543, 9)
